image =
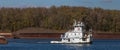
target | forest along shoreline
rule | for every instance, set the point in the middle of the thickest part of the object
(58, 18)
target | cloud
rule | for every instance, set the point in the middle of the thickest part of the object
(107, 1)
(87, 1)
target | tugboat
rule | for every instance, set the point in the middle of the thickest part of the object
(77, 35)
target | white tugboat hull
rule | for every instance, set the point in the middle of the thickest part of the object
(85, 42)
(78, 35)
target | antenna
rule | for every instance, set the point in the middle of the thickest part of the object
(75, 22)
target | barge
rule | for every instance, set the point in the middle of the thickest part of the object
(3, 40)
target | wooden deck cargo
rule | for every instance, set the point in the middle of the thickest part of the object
(7, 35)
(57, 35)
(48, 33)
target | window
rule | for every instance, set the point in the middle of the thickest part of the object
(75, 33)
(70, 34)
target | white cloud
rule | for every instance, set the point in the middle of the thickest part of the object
(107, 1)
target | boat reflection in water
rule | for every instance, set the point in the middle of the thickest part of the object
(74, 45)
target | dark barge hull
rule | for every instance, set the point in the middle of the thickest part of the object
(57, 35)
(3, 41)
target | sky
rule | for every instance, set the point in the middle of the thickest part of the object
(105, 4)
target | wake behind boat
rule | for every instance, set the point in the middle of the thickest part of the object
(78, 35)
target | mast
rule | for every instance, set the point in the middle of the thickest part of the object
(74, 23)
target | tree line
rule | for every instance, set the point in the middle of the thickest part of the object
(59, 18)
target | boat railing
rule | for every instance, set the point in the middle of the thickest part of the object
(70, 37)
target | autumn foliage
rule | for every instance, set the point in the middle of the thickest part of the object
(59, 18)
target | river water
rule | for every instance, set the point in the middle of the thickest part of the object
(43, 44)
